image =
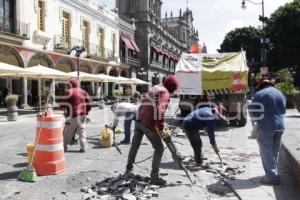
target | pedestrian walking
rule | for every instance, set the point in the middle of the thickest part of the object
(150, 122)
(77, 104)
(267, 109)
(206, 118)
(128, 110)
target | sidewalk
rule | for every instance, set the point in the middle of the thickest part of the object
(248, 186)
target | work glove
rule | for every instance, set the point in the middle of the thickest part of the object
(215, 148)
(164, 133)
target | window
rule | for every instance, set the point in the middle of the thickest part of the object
(66, 30)
(7, 15)
(41, 16)
(101, 42)
(114, 43)
(85, 35)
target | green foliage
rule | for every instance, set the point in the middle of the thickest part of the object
(286, 82)
(283, 29)
(11, 99)
(285, 76)
(247, 38)
(287, 89)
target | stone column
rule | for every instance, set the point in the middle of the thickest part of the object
(24, 93)
(52, 91)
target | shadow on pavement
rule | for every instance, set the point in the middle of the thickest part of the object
(20, 165)
(244, 184)
(9, 175)
(169, 165)
(293, 116)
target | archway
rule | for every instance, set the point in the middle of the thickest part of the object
(14, 85)
(35, 60)
(65, 65)
(101, 88)
(112, 86)
(86, 67)
(124, 73)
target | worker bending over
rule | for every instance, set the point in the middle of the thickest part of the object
(202, 118)
(127, 110)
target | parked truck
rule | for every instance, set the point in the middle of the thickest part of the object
(222, 78)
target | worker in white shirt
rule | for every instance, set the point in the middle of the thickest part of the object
(128, 110)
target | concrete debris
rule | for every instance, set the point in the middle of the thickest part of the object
(121, 187)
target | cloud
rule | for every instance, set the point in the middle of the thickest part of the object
(235, 24)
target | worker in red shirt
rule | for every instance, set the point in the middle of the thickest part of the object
(150, 122)
(77, 104)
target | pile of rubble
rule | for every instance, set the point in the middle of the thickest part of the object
(121, 187)
(224, 171)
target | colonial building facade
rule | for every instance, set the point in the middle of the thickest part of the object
(161, 41)
(43, 32)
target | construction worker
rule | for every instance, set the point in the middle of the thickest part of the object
(267, 109)
(77, 104)
(150, 122)
(128, 110)
(206, 118)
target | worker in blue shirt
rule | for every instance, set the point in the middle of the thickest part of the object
(267, 109)
(204, 117)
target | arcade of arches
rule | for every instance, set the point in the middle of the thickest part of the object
(26, 87)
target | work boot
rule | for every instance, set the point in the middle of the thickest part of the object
(199, 159)
(156, 180)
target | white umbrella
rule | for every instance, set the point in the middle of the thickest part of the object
(7, 69)
(83, 76)
(107, 78)
(123, 80)
(42, 72)
(137, 81)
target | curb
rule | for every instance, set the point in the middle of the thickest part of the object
(290, 157)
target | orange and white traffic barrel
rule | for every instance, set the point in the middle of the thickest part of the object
(237, 85)
(49, 154)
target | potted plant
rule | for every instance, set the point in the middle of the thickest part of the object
(289, 90)
(286, 86)
(12, 109)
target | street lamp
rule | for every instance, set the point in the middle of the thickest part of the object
(79, 52)
(263, 19)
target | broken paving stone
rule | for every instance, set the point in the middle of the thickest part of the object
(86, 197)
(212, 171)
(84, 189)
(18, 192)
(128, 197)
(163, 174)
(64, 192)
(179, 182)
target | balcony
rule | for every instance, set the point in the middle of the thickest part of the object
(14, 28)
(132, 61)
(93, 51)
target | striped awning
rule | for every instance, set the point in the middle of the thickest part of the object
(137, 49)
(217, 91)
(127, 43)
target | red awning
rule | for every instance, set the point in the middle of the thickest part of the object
(167, 55)
(158, 50)
(127, 43)
(137, 49)
(172, 57)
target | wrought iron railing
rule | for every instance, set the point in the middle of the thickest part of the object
(14, 27)
(61, 42)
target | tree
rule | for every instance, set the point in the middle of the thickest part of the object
(283, 29)
(247, 38)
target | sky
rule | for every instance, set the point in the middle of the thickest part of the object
(214, 18)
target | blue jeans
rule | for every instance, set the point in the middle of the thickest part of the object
(269, 144)
(127, 125)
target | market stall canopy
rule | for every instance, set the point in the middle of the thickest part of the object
(7, 69)
(137, 81)
(42, 72)
(107, 78)
(83, 76)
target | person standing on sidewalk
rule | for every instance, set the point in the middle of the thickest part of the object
(206, 118)
(77, 104)
(128, 110)
(267, 110)
(150, 122)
